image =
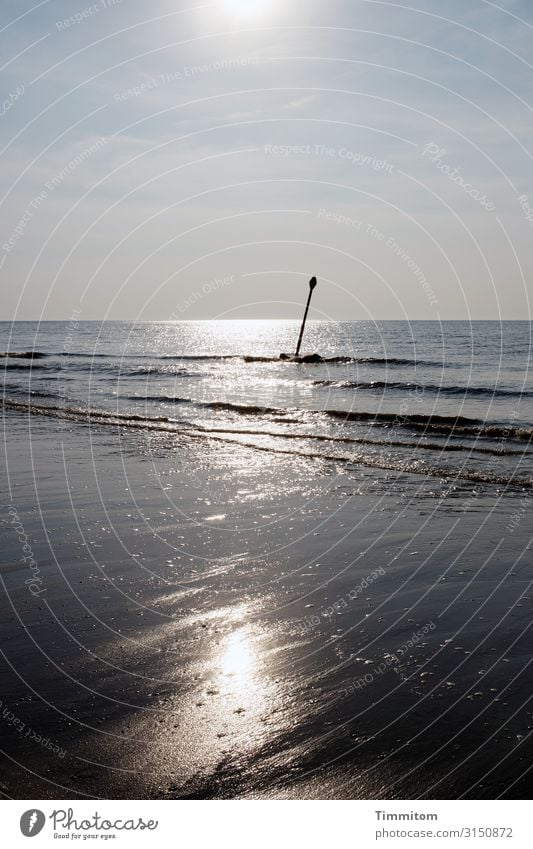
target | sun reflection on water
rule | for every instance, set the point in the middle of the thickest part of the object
(245, 685)
(239, 660)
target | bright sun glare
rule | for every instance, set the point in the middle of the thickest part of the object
(245, 8)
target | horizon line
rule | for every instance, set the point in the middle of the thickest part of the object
(310, 321)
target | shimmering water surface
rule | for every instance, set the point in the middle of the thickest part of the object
(262, 578)
(452, 399)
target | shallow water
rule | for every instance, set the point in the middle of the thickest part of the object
(450, 400)
(217, 622)
(267, 579)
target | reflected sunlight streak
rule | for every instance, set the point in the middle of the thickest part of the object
(239, 659)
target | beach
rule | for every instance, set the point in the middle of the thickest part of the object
(225, 577)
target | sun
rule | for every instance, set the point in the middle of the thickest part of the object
(245, 8)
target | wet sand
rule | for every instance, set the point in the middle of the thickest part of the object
(210, 621)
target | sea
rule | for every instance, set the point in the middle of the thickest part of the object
(256, 578)
(450, 400)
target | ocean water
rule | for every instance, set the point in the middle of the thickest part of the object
(448, 400)
(264, 578)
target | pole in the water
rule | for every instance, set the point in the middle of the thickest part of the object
(312, 284)
(305, 358)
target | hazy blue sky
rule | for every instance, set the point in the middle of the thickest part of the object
(198, 160)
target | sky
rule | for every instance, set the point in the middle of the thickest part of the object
(198, 160)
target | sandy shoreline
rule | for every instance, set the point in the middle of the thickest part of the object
(218, 624)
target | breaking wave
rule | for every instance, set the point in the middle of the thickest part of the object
(171, 425)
